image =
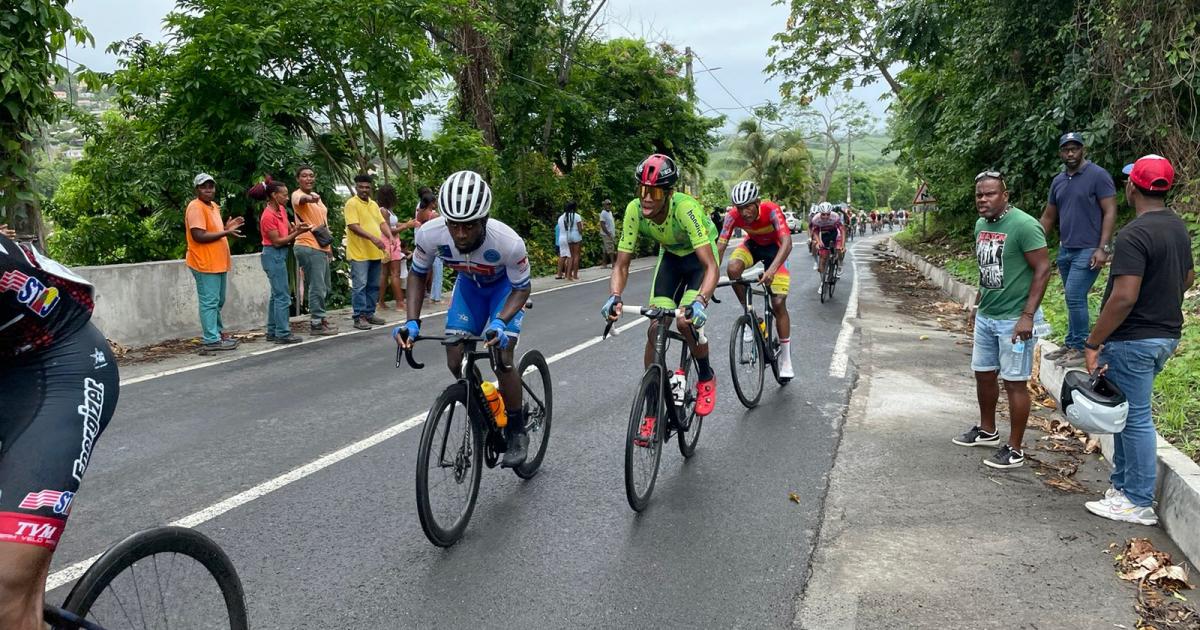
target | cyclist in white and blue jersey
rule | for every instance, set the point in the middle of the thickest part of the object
(490, 293)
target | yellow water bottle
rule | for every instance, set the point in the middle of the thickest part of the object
(496, 403)
(762, 327)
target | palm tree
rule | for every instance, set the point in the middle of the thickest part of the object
(779, 162)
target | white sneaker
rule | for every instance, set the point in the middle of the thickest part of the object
(1119, 508)
(1109, 495)
(816, 266)
(785, 363)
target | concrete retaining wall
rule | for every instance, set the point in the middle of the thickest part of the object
(144, 303)
(1178, 491)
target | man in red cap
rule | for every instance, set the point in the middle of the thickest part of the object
(1138, 329)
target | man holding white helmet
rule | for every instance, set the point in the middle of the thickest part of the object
(490, 292)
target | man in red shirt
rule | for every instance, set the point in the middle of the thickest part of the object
(769, 241)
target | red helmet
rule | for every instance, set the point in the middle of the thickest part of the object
(657, 171)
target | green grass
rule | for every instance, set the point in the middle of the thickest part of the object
(1177, 388)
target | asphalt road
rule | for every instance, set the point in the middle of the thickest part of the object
(720, 545)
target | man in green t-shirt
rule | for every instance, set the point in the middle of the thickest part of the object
(687, 271)
(1014, 267)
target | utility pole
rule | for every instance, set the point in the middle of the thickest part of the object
(687, 66)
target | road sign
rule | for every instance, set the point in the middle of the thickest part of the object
(923, 197)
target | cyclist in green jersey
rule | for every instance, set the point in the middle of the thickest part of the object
(687, 270)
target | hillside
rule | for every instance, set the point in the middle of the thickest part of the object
(723, 164)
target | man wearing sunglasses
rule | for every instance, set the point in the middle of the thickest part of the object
(768, 241)
(828, 232)
(687, 270)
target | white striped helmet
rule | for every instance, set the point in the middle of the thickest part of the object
(464, 196)
(743, 193)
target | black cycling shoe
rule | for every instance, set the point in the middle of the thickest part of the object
(518, 444)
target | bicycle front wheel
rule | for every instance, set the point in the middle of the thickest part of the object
(449, 465)
(538, 400)
(166, 577)
(746, 361)
(644, 439)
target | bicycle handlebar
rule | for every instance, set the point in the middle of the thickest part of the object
(494, 352)
(655, 313)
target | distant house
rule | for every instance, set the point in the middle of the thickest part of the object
(73, 153)
(60, 95)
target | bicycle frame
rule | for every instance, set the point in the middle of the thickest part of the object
(768, 316)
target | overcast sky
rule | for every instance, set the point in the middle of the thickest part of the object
(730, 38)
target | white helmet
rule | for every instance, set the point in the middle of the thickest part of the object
(1093, 404)
(464, 196)
(743, 193)
(824, 207)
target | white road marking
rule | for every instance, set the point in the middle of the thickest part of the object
(312, 340)
(841, 357)
(74, 571)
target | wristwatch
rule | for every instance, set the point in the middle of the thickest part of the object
(1107, 248)
(1090, 346)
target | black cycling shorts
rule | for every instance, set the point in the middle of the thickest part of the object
(56, 403)
(677, 280)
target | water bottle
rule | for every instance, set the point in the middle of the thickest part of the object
(1019, 347)
(762, 327)
(495, 402)
(678, 387)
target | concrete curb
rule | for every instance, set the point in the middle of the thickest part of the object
(1178, 478)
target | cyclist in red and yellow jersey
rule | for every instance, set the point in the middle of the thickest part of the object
(769, 241)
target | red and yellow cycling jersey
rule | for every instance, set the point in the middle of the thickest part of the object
(769, 228)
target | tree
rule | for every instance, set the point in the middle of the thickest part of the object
(779, 162)
(836, 120)
(831, 45)
(33, 32)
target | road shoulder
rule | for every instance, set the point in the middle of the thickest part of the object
(917, 533)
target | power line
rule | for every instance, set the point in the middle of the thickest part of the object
(714, 76)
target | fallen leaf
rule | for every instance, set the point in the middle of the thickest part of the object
(793, 497)
(924, 337)
(1066, 485)
(1179, 596)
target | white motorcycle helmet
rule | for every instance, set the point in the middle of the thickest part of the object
(1093, 404)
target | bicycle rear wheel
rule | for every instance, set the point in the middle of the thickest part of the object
(746, 361)
(538, 400)
(689, 437)
(642, 455)
(449, 464)
(166, 577)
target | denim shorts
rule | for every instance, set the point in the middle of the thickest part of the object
(994, 347)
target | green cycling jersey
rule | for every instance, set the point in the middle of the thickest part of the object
(687, 226)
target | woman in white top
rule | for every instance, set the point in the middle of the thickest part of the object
(570, 226)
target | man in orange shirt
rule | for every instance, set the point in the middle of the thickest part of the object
(208, 258)
(311, 256)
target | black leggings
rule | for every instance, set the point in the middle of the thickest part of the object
(54, 405)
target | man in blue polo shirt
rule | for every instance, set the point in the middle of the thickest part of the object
(1083, 206)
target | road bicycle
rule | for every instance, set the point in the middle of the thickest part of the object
(833, 264)
(165, 577)
(462, 434)
(753, 344)
(663, 392)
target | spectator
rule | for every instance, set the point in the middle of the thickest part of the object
(1083, 206)
(1014, 267)
(208, 258)
(570, 229)
(426, 212)
(608, 233)
(1139, 327)
(394, 263)
(365, 245)
(313, 257)
(564, 252)
(278, 234)
(718, 216)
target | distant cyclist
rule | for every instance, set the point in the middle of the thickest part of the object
(59, 386)
(768, 241)
(687, 271)
(829, 233)
(490, 293)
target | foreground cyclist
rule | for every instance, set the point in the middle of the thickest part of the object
(687, 270)
(59, 384)
(489, 295)
(768, 241)
(827, 232)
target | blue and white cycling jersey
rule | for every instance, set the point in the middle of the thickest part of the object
(502, 254)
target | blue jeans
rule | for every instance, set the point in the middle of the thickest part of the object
(274, 262)
(1078, 278)
(364, 286)
(1132, 366)
(435, 289)
(210, 294)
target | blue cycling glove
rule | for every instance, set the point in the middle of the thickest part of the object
(699, 317)
(412, 327)
(498, 328)
(610, 307)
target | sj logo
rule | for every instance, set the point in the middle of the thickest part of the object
(30, 291)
